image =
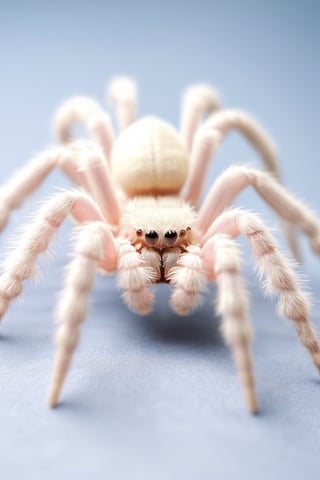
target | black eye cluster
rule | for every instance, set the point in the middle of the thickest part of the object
(151, 237)
(170, 236)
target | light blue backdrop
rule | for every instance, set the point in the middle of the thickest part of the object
(158, 397)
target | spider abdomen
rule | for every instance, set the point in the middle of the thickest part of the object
(149, 158)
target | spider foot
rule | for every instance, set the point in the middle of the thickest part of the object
(61, 368)
(184, 302)
(139, 301)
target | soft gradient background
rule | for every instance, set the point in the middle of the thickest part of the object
(158, 397)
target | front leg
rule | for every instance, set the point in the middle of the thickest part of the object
(188, 276)
(222, 260)
(21, 263)
(94, 245)
(274, 269)
(135, 275)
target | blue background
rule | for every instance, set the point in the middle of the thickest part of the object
(158, 397)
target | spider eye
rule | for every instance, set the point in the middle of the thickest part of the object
(152, 237)
(139, 232)
(170, 237)
(183, 233)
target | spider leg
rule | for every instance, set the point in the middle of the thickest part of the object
(134, 277)
(210, 135)
(91, 162)
(123, 93)
(188, 276)
(28, 178)
(87, 111)
(20, 264)
(206, 143)
(276, 271)
(94, 244)
(198, 100)
(222, 258)
(231, 182)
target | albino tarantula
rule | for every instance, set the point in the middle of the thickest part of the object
(138, 215)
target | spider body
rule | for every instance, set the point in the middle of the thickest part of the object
(149, 158)
(137, 213)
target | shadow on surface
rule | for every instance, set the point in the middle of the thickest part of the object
(197, 330)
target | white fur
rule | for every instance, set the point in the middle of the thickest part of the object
(159, 214)
(232, 304)
(134, 277)
(73, 305)
(237, 177)
(189, 279)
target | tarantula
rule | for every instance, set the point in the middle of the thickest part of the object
(137, 214)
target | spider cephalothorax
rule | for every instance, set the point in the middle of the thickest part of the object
(137, 210)
(159, 222)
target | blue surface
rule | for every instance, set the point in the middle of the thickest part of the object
(158, 397)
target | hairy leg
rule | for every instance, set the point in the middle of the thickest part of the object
(27, 179)
(91, 163)
(198, 100)
(134, 277)
(94, 244)
(188, 276)
(82, 160)
(123, 93)
(231, 182)
(20, 263)
(275, 270)
(221, 256)
(87, 111)
(208, 139)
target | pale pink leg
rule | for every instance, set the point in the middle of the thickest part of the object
(20, 264)
(134, 278)
(87, 111)
(208, 139)
(198, 101)
(98, 177)
(94, 244)
(123, 93)
(206, 143)
(222, 256)
(231, 182)
(28, 178)
(274, 269)
(188, 276)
